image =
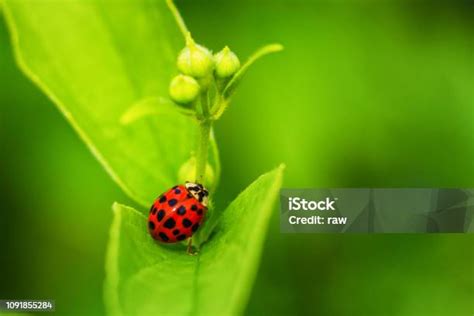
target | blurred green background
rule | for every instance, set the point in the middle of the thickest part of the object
(366, 93)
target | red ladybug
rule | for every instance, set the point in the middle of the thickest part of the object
(177, 214)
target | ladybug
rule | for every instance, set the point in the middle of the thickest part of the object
(177, 214)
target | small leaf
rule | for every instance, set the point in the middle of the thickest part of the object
(144, 277)
(232, 85)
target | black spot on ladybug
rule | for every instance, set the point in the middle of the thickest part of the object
(181, 210)
(200, 211)
(181, 237)
(151, 208)
(160, 215)
(189, 195)
(172, 202)
(195, 227)
(187, 223)
(176, 232)
(163, 236)
(194, 207)
(177, 191)
(162, 199)
(170, 223)
(151, 225)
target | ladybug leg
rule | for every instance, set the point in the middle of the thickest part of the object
(190, 250)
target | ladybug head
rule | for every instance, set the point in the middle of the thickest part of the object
(199, 192)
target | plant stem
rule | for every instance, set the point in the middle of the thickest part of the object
(203, 148)
(177, 17)
(203, 142)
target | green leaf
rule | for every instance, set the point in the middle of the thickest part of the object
(146, 278)
(96, 60)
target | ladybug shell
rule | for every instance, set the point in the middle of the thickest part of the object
(175, 215)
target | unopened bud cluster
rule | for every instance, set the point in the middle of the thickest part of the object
(199, 68)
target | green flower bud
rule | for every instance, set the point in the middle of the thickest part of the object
(195, 60)
(184, 89)
(187, 172)
(227, 63)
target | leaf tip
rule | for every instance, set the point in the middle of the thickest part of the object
(276, 47)
(279, 172)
